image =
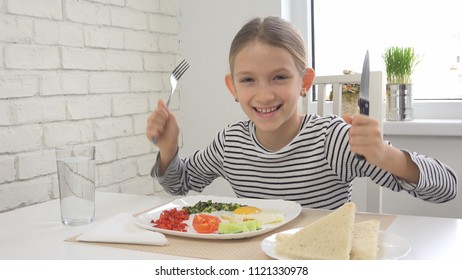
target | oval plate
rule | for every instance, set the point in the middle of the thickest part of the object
(289, 209)
(391, 246)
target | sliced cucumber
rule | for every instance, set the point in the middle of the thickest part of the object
(246, 226)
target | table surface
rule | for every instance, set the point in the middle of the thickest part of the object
(36, 232)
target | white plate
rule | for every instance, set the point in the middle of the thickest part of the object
(391, 246)
(289, 209)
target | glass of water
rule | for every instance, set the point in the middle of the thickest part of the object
(76, 178)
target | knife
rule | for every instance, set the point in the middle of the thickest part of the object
(363, 101)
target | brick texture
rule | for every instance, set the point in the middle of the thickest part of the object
(81, 72)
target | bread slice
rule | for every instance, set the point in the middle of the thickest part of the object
(365, 240)
(328, 238)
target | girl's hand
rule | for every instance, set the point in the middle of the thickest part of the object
(162, 125)
(366, 139)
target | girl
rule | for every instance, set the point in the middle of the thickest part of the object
(280, 154)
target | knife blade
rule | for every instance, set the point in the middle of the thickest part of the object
(363, 101)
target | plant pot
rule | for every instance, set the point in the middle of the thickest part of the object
(350, 103)
(399, 102)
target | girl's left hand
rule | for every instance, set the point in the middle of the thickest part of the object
(365, 138)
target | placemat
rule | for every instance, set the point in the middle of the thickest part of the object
(235, 249)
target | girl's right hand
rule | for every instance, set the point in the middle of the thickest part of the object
(162, 125)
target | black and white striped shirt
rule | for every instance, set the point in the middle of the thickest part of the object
(315, 169)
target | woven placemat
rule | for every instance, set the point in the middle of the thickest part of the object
(235, 249)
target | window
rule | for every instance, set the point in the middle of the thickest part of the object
(344, 30)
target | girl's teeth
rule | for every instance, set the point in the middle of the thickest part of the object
(266, 110)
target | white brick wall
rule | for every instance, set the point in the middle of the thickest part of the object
(81, 71)
(14, 85)
(51, 9)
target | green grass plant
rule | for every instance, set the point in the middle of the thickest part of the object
(400, 64)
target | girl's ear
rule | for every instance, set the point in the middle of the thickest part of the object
(308, 79)
(230, 85)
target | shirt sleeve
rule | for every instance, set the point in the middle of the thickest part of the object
(437, 181)
(193, 173)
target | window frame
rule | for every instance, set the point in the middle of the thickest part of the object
(437, 108)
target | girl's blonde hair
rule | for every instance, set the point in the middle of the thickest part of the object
(273, 31)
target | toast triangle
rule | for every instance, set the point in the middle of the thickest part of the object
(365, 240)
(328, 238)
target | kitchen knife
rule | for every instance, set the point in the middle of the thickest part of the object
(363, 101)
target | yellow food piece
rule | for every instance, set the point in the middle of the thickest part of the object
(328, 238)
(365, 240)
(333, 237)
(245, 210)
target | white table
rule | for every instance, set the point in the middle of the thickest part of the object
(36, 232)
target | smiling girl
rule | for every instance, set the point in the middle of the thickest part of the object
(281, 154)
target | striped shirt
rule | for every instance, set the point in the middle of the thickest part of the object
(315, 169)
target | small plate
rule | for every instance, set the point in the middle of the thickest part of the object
(391, 246)
(289, 209)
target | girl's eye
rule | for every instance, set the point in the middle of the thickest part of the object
(280, 77)
(246, 80)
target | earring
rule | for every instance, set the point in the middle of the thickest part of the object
(237, 100)
(303, 93)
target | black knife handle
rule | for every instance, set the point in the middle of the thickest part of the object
(363, 110)
(363, 106)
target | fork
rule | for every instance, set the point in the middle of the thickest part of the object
(174, 77)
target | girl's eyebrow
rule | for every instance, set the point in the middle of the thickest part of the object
(245, 72)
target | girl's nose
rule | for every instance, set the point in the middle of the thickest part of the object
(264, 93)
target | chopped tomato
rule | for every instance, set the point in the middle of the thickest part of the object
(204, 223)
(172, 220)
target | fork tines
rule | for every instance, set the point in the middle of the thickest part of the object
(180, 69)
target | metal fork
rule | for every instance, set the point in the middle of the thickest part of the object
(174, 77)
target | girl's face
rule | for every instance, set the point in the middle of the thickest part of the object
(267, 85)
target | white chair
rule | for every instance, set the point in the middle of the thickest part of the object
(322, 107)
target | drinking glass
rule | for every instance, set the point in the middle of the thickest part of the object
(76, 178)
